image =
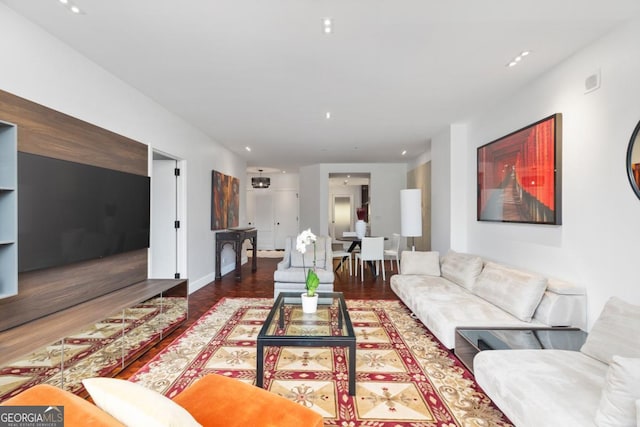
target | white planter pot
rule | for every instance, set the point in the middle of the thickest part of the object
(309, 304)
(361, 229)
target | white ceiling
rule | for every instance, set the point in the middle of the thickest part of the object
(262, 73)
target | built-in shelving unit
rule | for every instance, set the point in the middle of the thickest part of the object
(8, 210)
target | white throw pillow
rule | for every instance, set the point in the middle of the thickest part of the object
(618, 400)
(516, 292)
(462, 269)
(614, 332)
(417, 262)
(135, 405)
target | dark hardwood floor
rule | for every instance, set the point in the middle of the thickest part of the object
(260, 285)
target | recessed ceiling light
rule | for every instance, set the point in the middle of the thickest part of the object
(71, 7)
(518, 59)
(327, 25)
(247, 148)
(404, 152)
(327, 115)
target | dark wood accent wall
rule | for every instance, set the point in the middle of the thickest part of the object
(50, 133)
(47, 132)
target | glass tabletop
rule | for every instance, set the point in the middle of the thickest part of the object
(521, 338)
(286, 319)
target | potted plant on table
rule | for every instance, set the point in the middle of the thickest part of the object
(309, 298)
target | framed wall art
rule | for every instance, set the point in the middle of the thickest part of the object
(225, 201)
(519, 175)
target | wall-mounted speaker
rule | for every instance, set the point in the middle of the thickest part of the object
(592, 82)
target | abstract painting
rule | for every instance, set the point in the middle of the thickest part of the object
(225, 201)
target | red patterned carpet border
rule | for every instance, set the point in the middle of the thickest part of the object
(404, 377)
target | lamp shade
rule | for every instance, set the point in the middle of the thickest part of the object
(260, 182)
(411, 212)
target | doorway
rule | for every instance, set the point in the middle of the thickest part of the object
(167, 258)
(348, 192)
(342, 214)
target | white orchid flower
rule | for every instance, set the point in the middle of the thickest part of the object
(305, 238)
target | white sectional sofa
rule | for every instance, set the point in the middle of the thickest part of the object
(461, 290)
(596, 386)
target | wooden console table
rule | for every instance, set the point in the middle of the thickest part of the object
(236, 238)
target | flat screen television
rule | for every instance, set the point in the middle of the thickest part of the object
(70, 212)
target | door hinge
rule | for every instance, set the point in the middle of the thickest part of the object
(176, 276)
(176, 172)
(176, 224)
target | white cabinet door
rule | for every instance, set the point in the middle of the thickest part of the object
(263, 205)
(286, 216)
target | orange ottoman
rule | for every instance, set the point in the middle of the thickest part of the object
(215, 400)
(77, 411)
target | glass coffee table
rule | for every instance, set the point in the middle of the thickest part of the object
(470, 341)
(287, 325)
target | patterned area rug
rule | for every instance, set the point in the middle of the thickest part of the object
(97, 350)
(404, 375)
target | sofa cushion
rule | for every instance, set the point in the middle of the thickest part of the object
(462, 269)
(442, 306)
(417, 262)
(534, 388)
(77, 411)
(299, 275)
(218, 401)
(612, 332)
(515, 291)
(135, 405)
(617, 403)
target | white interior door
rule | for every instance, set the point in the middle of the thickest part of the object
(286, 216)
(163, 237)
(264, 222)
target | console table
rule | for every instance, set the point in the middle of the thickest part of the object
(235, 237)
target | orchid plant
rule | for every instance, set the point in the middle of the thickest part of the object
(306, 238)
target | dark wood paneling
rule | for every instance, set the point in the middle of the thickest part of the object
(50, 133)
(46, 291)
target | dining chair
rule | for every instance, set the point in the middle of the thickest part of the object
(342, 255)
(393, 252)
(371, 250)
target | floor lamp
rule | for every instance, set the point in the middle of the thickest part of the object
(411, 214)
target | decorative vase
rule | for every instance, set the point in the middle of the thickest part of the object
(361, 229)
(309, 304)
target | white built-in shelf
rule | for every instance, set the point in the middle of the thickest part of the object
(8, 210)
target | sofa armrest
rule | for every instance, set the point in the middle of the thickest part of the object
(562, 310)
(215, 400)
(77, 411)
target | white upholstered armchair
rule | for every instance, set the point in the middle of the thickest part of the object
(291, 272)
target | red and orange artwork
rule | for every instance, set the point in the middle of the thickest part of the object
(519, 175)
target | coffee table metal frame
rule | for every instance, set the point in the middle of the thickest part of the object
(348, 340)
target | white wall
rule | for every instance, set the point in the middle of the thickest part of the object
(42, 69)
(597, 244)
(387, 179)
